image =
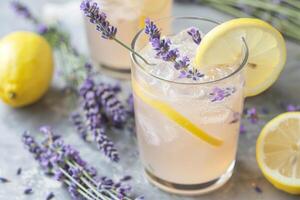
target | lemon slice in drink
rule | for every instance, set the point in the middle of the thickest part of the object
(175, 116)
(278, 152)
(267, 51)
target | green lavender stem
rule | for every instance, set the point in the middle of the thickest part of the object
(112, 192)
(75, 165)
(80, 191)
(290, 26)
(131, 50)
(93, 188)
(260, 5)
(78, 184)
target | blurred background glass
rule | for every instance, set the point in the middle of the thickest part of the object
(128, 16)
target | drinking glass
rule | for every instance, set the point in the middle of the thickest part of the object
(187, 137)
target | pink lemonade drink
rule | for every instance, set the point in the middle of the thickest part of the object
(187, 129)
(129, 17)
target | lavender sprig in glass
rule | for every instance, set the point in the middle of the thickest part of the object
(64, 163)
(163, 49)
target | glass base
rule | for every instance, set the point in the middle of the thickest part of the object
(190, 189)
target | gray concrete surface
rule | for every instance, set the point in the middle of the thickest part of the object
(53, 109)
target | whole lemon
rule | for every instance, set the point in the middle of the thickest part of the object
(26, 68)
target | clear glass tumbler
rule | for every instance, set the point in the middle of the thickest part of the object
(169, 115)
(128, 16)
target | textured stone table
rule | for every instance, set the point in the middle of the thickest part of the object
(53, 110)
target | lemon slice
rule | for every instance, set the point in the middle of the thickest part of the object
(267, 51)
(173, 115)
(278, 152)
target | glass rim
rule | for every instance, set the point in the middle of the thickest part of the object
(136, 61)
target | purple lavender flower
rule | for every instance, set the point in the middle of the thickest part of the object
(219, 94)
(165, 52)
(19, 171)
(50, 196)
(4, 180)
(121, 187)
(171, 56)
(152, 30)
(73, 171)
(196, 35)
(73, 190)
(59, 176)
(21, 9)
(252, 115)
(242, 129)
(113, 108)
(28, 191)
(79, 125)
(105, 145)
(92, 11)
(90, 105)
(161, 47)
(32, 145)
(42, 29)
(182, 64)
(194, 74)
(95, 99)
(292, 108)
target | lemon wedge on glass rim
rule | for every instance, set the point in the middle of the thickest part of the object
(267, 51)
(278, 152)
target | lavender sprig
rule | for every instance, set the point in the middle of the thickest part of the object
(80, 179)
(92, 11)
(96, 120)
(22, 10)
(163, 49)
(101, 109)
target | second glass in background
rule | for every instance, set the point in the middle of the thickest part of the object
(129, 17)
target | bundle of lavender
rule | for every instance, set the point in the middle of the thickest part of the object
(282, 14)
(64, 163)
